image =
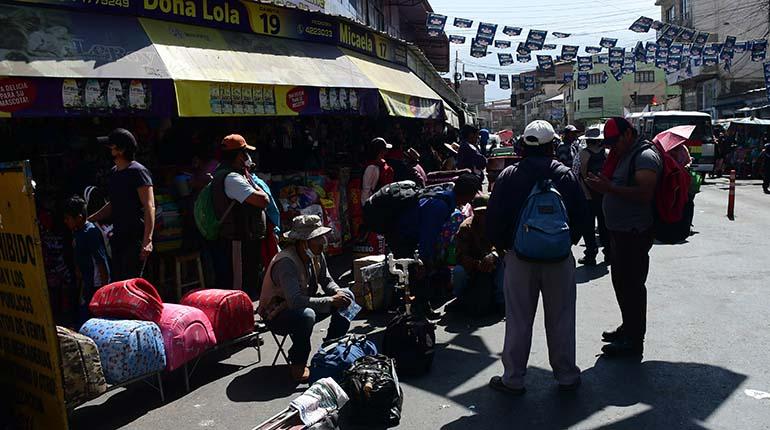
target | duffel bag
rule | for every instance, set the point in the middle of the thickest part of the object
(130, 299)
(337, 355)
(127, 348)
(81, 367)
(230, 312)
(410, 341)
(375, 394)
(187, 333)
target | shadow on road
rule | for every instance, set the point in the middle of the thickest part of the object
(585, 274)
(675, 395)
(262, 384)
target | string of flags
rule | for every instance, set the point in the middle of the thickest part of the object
(676, 49)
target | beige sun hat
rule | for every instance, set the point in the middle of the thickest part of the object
(306, 227)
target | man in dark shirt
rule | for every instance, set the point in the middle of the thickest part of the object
(468, 155)
(526, 280)
(131, 206)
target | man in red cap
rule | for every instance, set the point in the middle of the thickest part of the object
(628, 184)
(240, 205)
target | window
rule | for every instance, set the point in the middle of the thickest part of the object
(644, 99)
(596, 103)
(684, 9)
(375, 17)
(578, 105)
(671, 14)
(595, 79)
(644, 76)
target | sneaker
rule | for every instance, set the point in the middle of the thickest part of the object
(587, 261)
(496, 383)
(623, 348)
(570, 387)
(613, 336)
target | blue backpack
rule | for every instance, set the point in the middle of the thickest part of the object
(542, 234)
(338, 355)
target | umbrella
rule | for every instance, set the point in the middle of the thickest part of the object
(505, 135)
(674, 136)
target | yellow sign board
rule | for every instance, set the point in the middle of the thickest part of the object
(29, 347)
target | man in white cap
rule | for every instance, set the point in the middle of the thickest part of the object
(289, 302)
(525, 280)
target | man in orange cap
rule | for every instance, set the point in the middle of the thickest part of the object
(240, 206)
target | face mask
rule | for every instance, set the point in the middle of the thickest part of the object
(248, 163)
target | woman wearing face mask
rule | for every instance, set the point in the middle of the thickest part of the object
(289, 302)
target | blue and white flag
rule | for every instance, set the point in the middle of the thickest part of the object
(603, 59)
(582, 81)
(528, 83)
(491, 77)
(608, 42)
(767, 79)
(617, 56)
(696, 51)
(758, 50)
(568, 77)
(674, 62)
(559, 35)
(593, 49)
(505, 59)
(463, 23)
(469, 75)
(516, 79)
(487, 29)
(741, 47)
(664, 41)
(511, 31)
(605, 77)
(569, 52)
(712, 49)
(536, 39)
(434, 32)
(673, 31)
(456, 39)
(505, 84)
(639, 52)
(675, 49)
(478, 50)
(629, 65)
(482, 78)
(585, 63)
(523, 58)
(482, 40)
(522, 49)
(701, 38)
(617, 74)
(729, 42)
(502, 44)
(657, 25)
(710, 60)
(688, 35)
(545, 62)
(436, 20)
(549, 47)
(641, 25)
(529, 79)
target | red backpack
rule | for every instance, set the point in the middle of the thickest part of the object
(671, 196)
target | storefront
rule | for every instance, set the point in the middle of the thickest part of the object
(181, 75)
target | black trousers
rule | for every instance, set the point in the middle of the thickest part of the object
(596, 219)
(630, 266)
(766, 179)
(239, 266)
(126, 263)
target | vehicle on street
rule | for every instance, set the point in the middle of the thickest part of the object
(701, 144)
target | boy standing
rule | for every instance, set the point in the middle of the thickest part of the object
(91, 263)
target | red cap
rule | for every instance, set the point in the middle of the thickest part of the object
(235, 142)
(614, 128)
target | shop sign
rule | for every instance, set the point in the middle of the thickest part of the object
(29, 346)
(37, 97)
(253, 17)
(411, 107)
(202, 99)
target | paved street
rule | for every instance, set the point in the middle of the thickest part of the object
(708, 341)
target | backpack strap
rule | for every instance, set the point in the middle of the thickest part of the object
(632, 165)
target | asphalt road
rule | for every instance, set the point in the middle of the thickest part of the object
(708, 341)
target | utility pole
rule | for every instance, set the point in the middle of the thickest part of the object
(457, 73)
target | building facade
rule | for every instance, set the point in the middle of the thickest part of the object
(528, 105)
(721, 91)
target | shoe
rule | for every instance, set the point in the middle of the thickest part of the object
(623, 348)
(613, 336)
(432, 315)
(570, 387)
(587, 261)
(496, 383)
(299, 373)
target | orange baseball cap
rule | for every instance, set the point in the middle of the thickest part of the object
(235, 142)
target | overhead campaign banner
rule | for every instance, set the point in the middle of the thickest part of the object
(568, 52)
(505, 83)
(767, 79)
(593, 49)
(585, 63)
(523, 58)
(505, 59)
(502, 44)
(582, 80)
(535, 40)
(607, 42)
(252, 17)
(512, 31)
(211, 99)
(435, 24)
(456, 39)
(641, 25)
(559, 35)
(29, 346)
(463, 23)
(545, 62)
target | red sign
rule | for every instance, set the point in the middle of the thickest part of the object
(296, 99)
(16, 94)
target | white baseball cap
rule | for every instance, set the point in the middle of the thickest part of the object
(539, 132)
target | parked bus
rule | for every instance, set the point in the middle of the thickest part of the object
(701, 144)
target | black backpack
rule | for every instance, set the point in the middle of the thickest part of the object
(410, 341)
(383, 209)
(375, 394)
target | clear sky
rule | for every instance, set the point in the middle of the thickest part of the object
(587, 20)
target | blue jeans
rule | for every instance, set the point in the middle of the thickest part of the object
(460, 282)
(298, 324)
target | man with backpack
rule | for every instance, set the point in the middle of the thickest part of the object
(591, 160)
(628, 183)
(239, 204)
(536, 213)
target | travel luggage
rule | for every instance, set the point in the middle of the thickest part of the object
(410, 341)
(187, 333)
(230, 312)
(543, 234)
(375, 394)
(338, 355)
(81, 367)
(130, 299)
(384, 208)
(127, 348)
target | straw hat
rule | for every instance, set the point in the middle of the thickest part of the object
(306, 227)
